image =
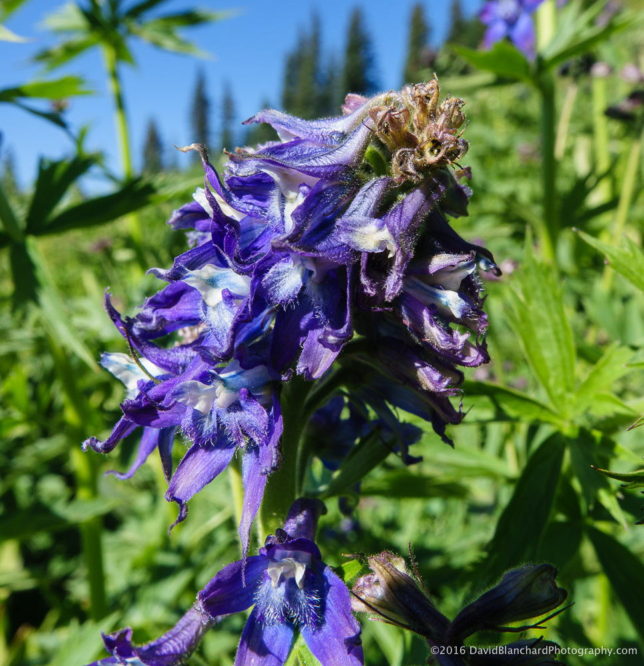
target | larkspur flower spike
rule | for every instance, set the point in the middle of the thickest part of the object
(303, 256)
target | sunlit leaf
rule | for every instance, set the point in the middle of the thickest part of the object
(55, 177)
(626, 258)
(503, 59)
(134, 195)
(625, 571)
(539, 319)
(66, 86)
(521, 526)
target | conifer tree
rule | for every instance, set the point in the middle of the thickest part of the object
(200, 113)
(227, 140)
(358, 72)
(308, 85)
(463, 30)
(152, 149)
(418, 52)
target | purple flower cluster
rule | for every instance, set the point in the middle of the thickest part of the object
(511, 19)
(290, 589)
(331, 243)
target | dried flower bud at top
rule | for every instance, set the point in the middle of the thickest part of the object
(420, 132)
(523, 593)
(391, 595)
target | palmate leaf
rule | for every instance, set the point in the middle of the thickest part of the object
(524, 520)
(626, 258)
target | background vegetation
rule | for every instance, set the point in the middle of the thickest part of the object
(556, 160)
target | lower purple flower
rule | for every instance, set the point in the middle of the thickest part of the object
(291, 589)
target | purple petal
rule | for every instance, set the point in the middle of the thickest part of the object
(522, 34)
(264, 644)
(258, 462)
(496, 31)
(149, 441)
(121, 430)
(232, 590)
(302, 519)
(337, 640)
(197, 469)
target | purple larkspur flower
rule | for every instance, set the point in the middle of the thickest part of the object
(511, 19)
(289, 588)
(299, 245)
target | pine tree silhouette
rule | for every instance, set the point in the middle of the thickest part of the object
(200, 113)
(419, 55)
(152, 149)
(227, 140)
(358, 72)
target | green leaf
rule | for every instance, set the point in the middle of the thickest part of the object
(188, 18)
(540, 321)
(512, 402)
(584, 453)
(8, 7)
(503, 59)
(7, 35)
(26, 284)
(524, 520)
(631, 480)
(55, 177)
(581, 34)
(134, 195)
(82, 642)
(164, 37)
(626, 258)
(369, 453)
(66, 86)
(62, 53)
(403, 484)
(625, 572)
(610, 367)
(21, 525)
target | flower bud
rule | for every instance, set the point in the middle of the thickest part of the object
(393, 596)
(526, 592)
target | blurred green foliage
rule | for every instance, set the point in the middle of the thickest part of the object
(545, 418)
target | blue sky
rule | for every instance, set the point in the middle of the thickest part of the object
(247, 50)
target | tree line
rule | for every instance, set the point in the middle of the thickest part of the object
(315, 83)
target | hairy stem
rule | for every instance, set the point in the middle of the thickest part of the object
(284, 484)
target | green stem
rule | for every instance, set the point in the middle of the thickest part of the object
(600, 136)
(548, 230)
(546, 17)
(629, 181)
(564, 121)
(122, 130)
(283, 485)
(123, 134)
